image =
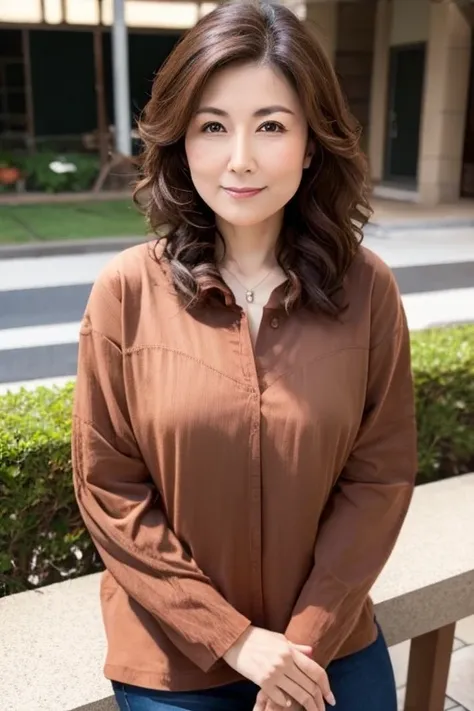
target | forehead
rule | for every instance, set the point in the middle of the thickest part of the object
(249, 86)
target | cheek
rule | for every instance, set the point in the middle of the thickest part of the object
(195, 155)
(286, 159)
(202, 159)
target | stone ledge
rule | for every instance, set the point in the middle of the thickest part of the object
(52, 644)
(429, 580)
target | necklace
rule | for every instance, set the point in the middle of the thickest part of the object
(249, 293)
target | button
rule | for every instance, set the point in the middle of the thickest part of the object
(275, 322)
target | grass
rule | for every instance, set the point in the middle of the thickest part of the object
(62, 221)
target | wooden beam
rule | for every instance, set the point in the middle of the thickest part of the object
(30, 110)
(63, 11)
(428, 669)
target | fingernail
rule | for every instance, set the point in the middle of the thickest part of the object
(288, 703)
(331, 700)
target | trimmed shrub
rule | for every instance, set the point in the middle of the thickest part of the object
(42, 537)
(443, 368)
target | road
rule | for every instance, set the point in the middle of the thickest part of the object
(42, 299)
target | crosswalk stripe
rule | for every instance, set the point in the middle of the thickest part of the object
(30, 336)
(16, 274)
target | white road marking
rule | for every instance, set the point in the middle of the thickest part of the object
(31, 336)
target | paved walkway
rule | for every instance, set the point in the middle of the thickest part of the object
(394, 212)
(461, 678)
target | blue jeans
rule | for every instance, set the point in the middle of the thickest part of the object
(362, 681)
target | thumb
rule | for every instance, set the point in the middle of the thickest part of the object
(303, 648)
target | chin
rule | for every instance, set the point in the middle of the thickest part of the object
(243, 218)
(242, 222)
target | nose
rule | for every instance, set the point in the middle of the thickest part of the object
(241, 159)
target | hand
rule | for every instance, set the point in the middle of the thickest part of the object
(281, 669)
(263, 703)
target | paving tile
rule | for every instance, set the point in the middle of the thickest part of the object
(449, 704)
(465, 630)
(399, 655)
(461, 678)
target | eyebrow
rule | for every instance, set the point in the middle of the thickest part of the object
(265, 111)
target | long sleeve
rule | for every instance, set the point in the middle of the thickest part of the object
(120, 504)
(364, 514)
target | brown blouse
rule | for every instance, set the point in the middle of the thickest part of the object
(224, 486)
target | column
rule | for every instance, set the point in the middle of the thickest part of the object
(121, 80)
(444, 104)
(379, 89)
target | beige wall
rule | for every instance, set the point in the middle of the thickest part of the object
(322, 17)
(409, 21)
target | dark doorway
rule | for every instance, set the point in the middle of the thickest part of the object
(407, 68)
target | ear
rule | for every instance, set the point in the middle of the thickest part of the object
(310, 151)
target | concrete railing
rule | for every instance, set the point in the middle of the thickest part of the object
(52, 644)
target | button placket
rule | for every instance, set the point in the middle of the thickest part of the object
(249, 368)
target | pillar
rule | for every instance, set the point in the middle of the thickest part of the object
(379, 90)
(444, 104)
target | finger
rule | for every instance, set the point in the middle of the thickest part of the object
(317, 674)
(298, 694)
(260, 702)
(273, 707)
(318, 697)
(277, 696)
(303, 680)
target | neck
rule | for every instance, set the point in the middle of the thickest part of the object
(249, 249)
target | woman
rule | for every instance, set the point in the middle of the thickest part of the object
(244, 433)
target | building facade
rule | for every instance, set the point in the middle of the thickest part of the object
(406, 68)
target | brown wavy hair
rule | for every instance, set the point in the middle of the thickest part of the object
(323, 222)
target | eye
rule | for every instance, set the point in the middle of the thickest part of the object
(272, 127)
(212, 127)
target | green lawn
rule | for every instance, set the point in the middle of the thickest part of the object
(27, 223)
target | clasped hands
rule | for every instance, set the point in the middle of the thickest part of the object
(287, 676)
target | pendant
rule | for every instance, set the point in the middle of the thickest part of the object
(249, 296)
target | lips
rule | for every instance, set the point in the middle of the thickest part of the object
(243, 192)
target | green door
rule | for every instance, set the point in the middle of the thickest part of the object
(407, 66)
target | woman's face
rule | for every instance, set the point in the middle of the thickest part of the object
(247, 144)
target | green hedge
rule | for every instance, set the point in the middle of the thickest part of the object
(42, 539)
